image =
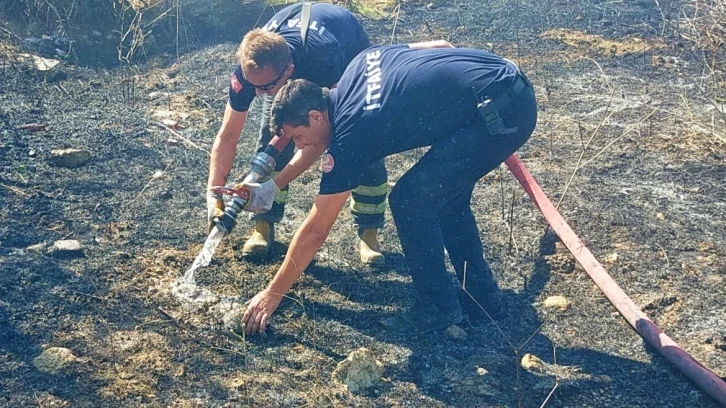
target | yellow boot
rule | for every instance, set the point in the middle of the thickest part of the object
(370, 251)
(258, 245)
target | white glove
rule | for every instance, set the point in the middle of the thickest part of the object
(261, 196)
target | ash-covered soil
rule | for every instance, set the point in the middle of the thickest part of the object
(621, 96)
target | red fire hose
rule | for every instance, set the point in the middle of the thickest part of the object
(702, 376)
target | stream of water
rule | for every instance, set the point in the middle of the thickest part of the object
(185, 288)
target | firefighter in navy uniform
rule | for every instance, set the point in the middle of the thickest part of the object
(473, 108)
(268, 57)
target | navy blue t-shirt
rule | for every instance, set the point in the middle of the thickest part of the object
(334, 38)
(392, 99)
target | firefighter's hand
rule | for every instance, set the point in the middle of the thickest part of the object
(258, 311)
(261, 196)
(215, 208)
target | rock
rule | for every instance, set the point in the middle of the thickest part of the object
(455, 332)
(155, 95)
(603, 379)
(67, 248)
(233, 318)
(172, 124)
(54, 359)
(70, 158)
(36, 247)
(531, 362)
(39, 63)
(166, 114)
(359, 371)
(556, 302)
(612, 258)
(32, 41)
(536, 366)
(179, 372)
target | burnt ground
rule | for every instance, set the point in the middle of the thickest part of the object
(648, 200)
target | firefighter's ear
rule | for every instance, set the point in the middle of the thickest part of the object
(315, 116)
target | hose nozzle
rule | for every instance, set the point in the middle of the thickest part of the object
(233, 208)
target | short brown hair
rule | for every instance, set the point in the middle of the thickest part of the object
(261, 48)
(294, 101)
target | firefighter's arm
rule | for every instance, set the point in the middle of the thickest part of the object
(220, 160)
(303, 159)
(224, 147)
(431, 44)
(307, 241)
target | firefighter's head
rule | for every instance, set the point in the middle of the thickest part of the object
(300, 112)
(266, 60)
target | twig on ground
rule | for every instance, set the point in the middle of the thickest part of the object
(499, 329)
(15, 190)
(584, 148)
(170, 317)
(662, 15)
(668, 263)
(501, 186)
(557, 378)
(148, 184)
(179, 135)
(397, 12)
(512, 241)
(86, 295)
(627, 131)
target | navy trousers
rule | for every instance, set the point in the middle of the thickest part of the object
(431, 203)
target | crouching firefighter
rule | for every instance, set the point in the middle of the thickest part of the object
(304, 40)
(473, 108)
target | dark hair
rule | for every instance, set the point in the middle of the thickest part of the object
(294, 101)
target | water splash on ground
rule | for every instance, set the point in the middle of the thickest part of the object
(185, 289)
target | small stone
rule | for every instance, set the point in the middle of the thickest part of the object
(54, 359)
(612, 258)
(660, 216)
(36, 247)
(604, 379)
(481, 371)
(155, 95)
(31, 153)
(556, 302)
(67, 248)
(157, 174)
(531, 362)
(171, 123)
(455, 332)
(179, 372)
(233, 318)
(33, 41)
(359, 371)
(70, 158)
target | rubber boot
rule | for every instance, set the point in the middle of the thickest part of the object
(258, 245)
(370, 251)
